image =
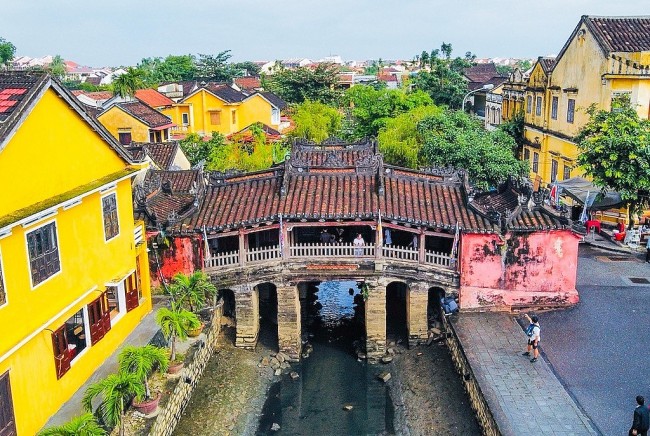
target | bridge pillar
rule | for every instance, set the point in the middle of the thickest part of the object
(248, 316)
(417, 322)
(289, 321)
(376, 320)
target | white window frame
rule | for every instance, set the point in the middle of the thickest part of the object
(3, 281)
(275, 115)
(117, 210)
(185, 119)
(84, 315)
(29, 263)
(121, 299)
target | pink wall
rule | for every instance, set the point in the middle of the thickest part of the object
(525, 269)
(183, 255)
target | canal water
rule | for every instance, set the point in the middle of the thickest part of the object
(332, 377)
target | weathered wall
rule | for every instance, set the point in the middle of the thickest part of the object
(535, 269)
(183, 255)
(169, 416)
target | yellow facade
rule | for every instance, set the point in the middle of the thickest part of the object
(117, 121)
(60, 170)
(557, 98)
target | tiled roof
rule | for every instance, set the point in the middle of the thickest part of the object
(99, 95)
(269, 131)
(481, 72)
(621, 34)
(274, 99)
(161, 153)
(16, 88)
(153, 98)
(248, 83)
(225, 92)
(94, 80)
(148, 115)
(547, 63)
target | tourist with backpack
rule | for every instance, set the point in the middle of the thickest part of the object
(533, 334)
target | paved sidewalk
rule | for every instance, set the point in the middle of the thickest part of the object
(524, 397)
(141, 335)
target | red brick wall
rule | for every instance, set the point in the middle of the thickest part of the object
(183, 255)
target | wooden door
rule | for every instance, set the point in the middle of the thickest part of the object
(99, 317)
(7, 420)
(132, 292)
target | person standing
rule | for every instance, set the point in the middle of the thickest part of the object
(388, 239)
(647, 250)
(358, 245)
(641, 419)
(533, 332)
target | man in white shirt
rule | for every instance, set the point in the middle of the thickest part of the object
(533, 338)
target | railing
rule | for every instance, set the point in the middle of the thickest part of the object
(320, 250)
(400, 253)
(439, 259)
(263, 254)
(222, 259)
(138, 232)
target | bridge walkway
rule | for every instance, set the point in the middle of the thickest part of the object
(523, 397)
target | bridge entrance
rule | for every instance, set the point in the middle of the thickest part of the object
(396, 312)
(268, 307)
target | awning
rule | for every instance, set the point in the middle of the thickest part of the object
(577, 188)
(164, 126)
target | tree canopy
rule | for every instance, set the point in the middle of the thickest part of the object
(315, 121)
(7, 51)
(198, 150)
(172, 68)
(303, 83)
(126, 84)
(57, 67)
(372, 108)
(216, 67)
(615, 152)
(453, 138)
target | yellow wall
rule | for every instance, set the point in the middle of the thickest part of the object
(255, 109)
(70, 154)
(176, 114)
(202, 104)
(52, 144)
(115, 119)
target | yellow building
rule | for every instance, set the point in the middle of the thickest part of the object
(603, 58)
(74, 275)
(514, 94)
(218, 107)
(134, 121)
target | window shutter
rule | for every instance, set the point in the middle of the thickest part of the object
(7, 419)
(61, 355)
(106, 314)
(96, 316)
(132, 294)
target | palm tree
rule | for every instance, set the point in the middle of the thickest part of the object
(126, 84)
(116, 391)
(192, 291)
(142, 361)
(84, 425)
(175, 323)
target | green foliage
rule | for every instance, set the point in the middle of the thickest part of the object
(247, 68)
(248, 152)
(142, 361)
(300, 84)
(175, 323)
(115, 391)
(172, 68)
(445, 82)
(83, 425)
(453, 138)
(372, 108)
(57, 67)
(85, 86)
(126, 84)
(515, 128)
(7, 51)
(198, 150)
(615, 152)
(216, 67)
(192, 291)
(400, 142)
(315, 121)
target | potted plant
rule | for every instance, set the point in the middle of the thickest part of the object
(192, 291)
(83, 425)
(142, 361)
(115, 391)
(175, 323)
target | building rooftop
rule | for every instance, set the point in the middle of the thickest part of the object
(153, 98)
(148, 115)
(621, 34)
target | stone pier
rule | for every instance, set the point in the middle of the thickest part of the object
(416, 315)
(248, 316)
(289, 328)
(376, 320)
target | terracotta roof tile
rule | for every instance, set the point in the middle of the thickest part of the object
(153, 98)
(248, 83)
(622, 34)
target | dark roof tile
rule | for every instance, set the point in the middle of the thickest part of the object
(621, 34)
(148, 115)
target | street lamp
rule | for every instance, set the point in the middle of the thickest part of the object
(485, 87)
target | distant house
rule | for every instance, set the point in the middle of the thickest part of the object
(135, 121)
(478, 76)
(153, 98)
(161, 155)
(93, 99)
(108, 79)
(248, 83)
(295, 62)
(514, 93)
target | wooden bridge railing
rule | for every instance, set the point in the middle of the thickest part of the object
(320, 250)
(262, 254)
(400, 253)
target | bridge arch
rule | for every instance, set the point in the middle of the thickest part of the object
(267, 294)
(397, 302)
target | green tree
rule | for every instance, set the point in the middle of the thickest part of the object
(515, 128)
(126, 84)
(424, 58)
(57, 67)
(171, 69)
(453, 138)
(216, 67)
(115, 391)
(615, 152)
(248, 68)
(7, 52)
(372, 108)
(315, 121)
(142, 361)
(175, 323)
(400, 142)
(300, 84)
(83, 425)
(192, 291)
(198, 150)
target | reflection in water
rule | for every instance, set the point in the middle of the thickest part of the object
(331, 377)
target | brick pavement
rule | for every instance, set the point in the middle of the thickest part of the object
(524, 397)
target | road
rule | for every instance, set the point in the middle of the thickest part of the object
(600, 348)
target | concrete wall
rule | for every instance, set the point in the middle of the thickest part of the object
(183, 255)
(526, 269)
(169, 416)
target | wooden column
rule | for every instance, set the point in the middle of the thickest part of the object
(421, 246)
(285, 237)
(376, 321)
(417, 322)
(289, 328)
(378, 247)
(242, 248)
(248, 316)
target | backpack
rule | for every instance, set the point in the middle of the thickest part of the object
(529, 330)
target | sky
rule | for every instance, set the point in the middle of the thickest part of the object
(122, 32)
